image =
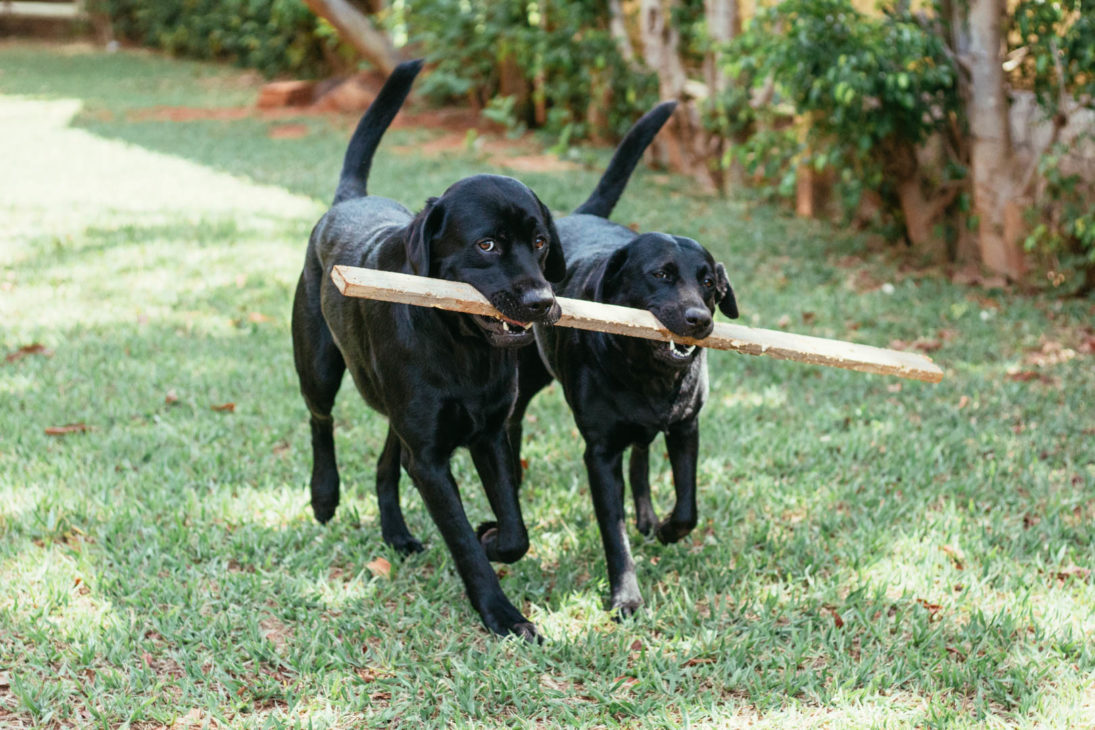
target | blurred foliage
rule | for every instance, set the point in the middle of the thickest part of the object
(864, 85)
(1057, 46)
(272, 36)
(559, 56)
(1063, 225)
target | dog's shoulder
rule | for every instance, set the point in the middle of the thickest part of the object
(358, 231)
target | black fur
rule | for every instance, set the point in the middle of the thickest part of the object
(623, 391)
(444, 380)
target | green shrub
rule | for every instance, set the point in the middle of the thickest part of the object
(563, 53)
(272, 36)
(864, 84)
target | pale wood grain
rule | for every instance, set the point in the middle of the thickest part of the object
(392, 286)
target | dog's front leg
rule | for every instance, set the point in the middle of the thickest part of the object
(505, 540)
(439, 492)
(683, 443)
(606, 484)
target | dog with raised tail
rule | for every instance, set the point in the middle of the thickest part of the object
(444, 380)
(624, 391)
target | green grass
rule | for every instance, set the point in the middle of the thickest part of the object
(871, 552)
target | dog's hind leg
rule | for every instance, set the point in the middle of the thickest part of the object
(320, 367)
(392, 524)
(638, 477)
(683, 442)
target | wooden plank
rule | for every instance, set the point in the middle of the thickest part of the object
(391, 286)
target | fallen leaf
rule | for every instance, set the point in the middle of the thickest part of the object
(1073, 571)
(784, 321)
(694, 661)
(171, 399)
(258, 318)
(963, 402)
(67, 429)
(280, 449)
(925, 344)
(956, 653)
(931, 608)
(366, 674)
(380, 567)
(5, 680)
(1023, 376)
(636, 645)
(809, 317)
(838, 620)
(954, 554)
(225, 407)
(35, 348)
(524, 464)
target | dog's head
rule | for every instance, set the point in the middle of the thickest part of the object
(676, 280)
(493, 232)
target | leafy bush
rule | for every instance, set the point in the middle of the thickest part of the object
(1057, 48)
(273, 36)
(562, 54)
(864, 86)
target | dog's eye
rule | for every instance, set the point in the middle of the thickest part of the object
(659, 274)
(539, 243)
(485, 245)
(709, 282)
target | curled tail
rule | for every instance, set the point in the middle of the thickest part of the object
(359, 154)
(627, 156)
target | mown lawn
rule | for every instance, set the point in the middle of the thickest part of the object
(871, 552)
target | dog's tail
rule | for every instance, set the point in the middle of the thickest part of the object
(359, 154)
(627, 156)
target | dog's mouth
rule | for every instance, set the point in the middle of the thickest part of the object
(675, 353)
(502, 331)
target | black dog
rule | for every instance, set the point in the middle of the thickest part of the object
(443, 379)
(623, 390)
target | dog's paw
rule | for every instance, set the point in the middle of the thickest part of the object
(645, 522)
(405, 545)
(670, 532)
(505, 620)
(497, 552)
(324, 510)
(624, 609)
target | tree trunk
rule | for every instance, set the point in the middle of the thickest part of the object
(991, 155)
(356, 29)
(661, 44)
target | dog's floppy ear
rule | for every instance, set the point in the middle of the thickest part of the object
(555, 267)
(611, 271)
(424, 228)
(728, 305)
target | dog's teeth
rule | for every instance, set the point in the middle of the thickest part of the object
(505, 326)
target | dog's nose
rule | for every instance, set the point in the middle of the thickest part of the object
(698, 320)
(537, 301)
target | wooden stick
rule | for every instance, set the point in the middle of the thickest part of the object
(391, 286)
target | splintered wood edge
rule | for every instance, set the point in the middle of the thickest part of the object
(392, 286)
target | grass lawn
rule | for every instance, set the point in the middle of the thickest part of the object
(871, 552)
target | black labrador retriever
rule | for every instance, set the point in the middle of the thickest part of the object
(443, 379)
(623, 391)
